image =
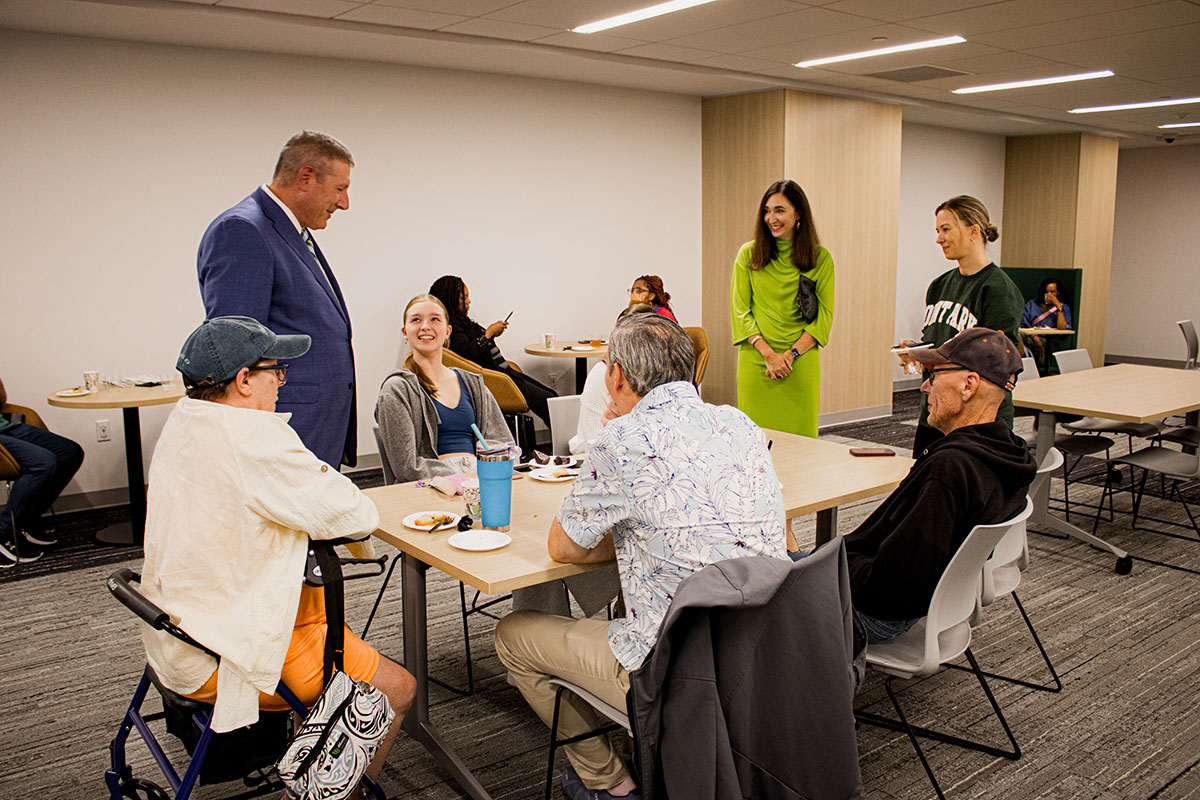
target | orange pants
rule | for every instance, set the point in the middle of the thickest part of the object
(303, 667)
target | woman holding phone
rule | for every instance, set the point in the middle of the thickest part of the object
(975, 293)
(782, 308)
(475, 343)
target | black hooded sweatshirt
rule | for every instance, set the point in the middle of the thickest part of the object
(976, 475)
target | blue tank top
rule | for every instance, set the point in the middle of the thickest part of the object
(454, 428)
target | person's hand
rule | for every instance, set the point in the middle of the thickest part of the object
(778, 365)
(905, 358)
(495, 329)
(1038, 345)
(1053, 300)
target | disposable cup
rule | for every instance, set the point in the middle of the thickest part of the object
(470, 490)
(91, 380)
(548, 340)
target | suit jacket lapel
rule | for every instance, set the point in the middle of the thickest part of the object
(318, 266)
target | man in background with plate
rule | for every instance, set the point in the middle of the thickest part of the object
(671, 485)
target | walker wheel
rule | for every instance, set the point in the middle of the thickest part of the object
(138, 789)
(1124, 565)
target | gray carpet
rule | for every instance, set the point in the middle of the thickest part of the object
(1127, 724)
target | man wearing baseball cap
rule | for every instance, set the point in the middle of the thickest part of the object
(977, 473)
(234, 498)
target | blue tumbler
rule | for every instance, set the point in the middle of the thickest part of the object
(495, 470)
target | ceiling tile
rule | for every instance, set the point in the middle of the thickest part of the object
(401, 17)
(599, 42)
(1148, 55)
(306, 8)
(495, 29)
(706, 18)
(557, 14)
(1016, 14)
(738, 63)
(810, 23)
(862, 66)
(466, 8)
(1095, 26)
(891, 11)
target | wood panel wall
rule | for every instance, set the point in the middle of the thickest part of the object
(846, 155)
(1059, 202)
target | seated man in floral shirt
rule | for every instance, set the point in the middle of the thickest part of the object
(671, 485)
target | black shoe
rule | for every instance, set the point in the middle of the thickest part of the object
(41, 539)
(28, 555)
(573, 789)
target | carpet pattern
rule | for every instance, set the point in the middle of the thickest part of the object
(1127, 724)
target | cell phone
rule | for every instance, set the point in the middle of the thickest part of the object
(522, 467)
(872, 451)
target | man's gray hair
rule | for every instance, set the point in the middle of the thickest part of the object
(652, 350)
(312, 148)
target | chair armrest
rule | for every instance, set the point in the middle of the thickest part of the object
(10, 470)
(31, 416)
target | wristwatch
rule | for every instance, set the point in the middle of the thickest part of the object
(795, 353)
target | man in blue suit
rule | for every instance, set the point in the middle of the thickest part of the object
(259, 260)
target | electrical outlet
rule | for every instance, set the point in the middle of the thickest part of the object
(553, 376)
(102, 431)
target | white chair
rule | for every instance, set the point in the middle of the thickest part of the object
(1171, 464)
(564, 421)
(943, 635)
(1188, 328)
(1002, 576)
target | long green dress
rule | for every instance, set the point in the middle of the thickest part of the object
(763, 302)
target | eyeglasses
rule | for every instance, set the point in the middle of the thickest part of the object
(280, 371)
(638, 290)
(929, 374)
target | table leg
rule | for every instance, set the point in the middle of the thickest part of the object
(1047, 422)
(826, 525)
(1191, 418)
(416, 657)
(581, 370)
(133, 532)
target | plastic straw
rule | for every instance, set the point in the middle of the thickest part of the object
(479, 435)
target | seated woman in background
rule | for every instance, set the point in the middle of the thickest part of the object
(648, 289)
(475, 343)
(594, 400)
(1045, 311)
(425, 410)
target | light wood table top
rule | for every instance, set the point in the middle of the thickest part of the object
(524, 562)
(1123, 392)
(121, 397)
(558, 352)
(1045, 331)
(816, 475)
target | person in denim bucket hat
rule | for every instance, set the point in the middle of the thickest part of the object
(977, 473)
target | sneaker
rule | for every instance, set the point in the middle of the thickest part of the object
(28, 555)
(41, 538)
(573, 789)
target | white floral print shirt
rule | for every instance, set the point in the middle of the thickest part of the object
(681, 484)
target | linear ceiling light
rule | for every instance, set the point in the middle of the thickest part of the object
(883, 51)
(1181, 125)
(1127, 106)
(639, 15)
(997, 87)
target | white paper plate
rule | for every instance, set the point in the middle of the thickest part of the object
(418, 521)
(559, 461)
(910, 347)
(548, 474)
(76, 392)
(579, 348)
(479, 541)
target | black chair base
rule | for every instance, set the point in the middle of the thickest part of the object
(556, 743)
(914, 731)
(1041, 687)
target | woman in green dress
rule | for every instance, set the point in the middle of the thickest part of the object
(778, 366)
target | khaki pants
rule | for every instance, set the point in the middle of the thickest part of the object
(536, 647)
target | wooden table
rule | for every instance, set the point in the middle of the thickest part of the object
(1123, 392)
(817, 476)
(129, 399)
(581, 356)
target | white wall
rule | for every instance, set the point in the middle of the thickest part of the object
(935, 165)
(1156, 252)
(548, 198)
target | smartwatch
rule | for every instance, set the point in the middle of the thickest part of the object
(795, 353)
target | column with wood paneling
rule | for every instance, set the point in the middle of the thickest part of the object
(846, 155)
(1059, 200)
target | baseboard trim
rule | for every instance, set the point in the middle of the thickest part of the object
(853, 415)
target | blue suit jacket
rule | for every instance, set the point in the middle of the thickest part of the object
(252, 262)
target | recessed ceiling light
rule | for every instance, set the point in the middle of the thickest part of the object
(1125, 107)
(639, 15)
(883, 51)
(997, 87)
(1181, 125)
